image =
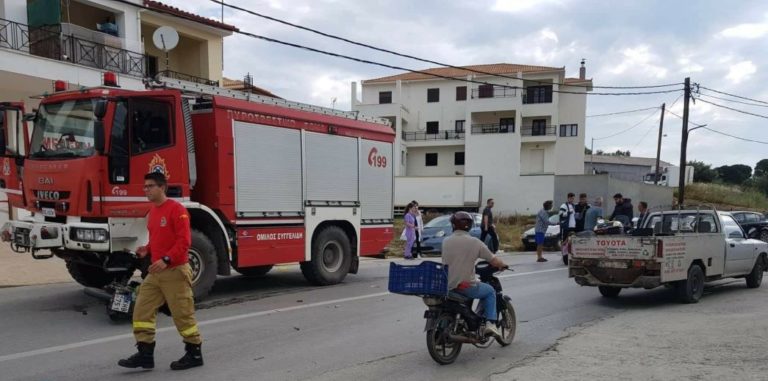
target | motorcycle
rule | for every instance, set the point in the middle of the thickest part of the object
(451, 322)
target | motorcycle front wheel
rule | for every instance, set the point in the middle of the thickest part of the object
(507, 324)
(442, 349)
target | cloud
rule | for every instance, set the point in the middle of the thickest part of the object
(741, 71)
(548, 34)
(519, 6)
(640, 60)
(748, 31)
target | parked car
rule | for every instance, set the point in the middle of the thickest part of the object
(551, 237)
(438, 228)
(754, 224)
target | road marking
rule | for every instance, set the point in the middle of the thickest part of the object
(81, 344)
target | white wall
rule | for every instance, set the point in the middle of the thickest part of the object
(570, 150)
(445, 161)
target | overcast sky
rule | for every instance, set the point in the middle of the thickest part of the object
(721, 45)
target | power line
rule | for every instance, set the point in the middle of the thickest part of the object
(623, 112)
(628, 129)
(335, 37)
(733, 100)
(680, 117)
(734, 109)
(734, 95)
(734, 136)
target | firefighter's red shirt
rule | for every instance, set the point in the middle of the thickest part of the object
(169, 232)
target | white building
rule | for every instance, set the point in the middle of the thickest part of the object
(78, 40)
(515, 133)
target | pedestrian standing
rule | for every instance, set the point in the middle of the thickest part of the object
(542, 223)
(410, 230)
(593, 214)
(419, 230)
(642, 208)
(567, 217)
(488, 228)
(623, 211)
(581, 211)
(169, 280)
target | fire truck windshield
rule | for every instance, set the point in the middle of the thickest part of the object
(64, 130)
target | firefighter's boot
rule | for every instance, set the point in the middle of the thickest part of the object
(144, 358)
(192, 358)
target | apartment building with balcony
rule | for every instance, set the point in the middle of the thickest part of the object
(78, 40)
(516, 129)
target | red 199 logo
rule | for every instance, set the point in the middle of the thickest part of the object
(375, 160)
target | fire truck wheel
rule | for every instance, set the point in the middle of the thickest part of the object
(255, 271)
(89, 276)
(202, 260)
(331, 258)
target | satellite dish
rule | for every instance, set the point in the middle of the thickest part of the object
(165, 38)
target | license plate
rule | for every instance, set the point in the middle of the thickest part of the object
(613, 265)
(532, 240)
(429, 314)
(121, 302)
(48, 212)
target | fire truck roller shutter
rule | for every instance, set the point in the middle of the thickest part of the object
(267, 169)
(376, 180)
(332, 167)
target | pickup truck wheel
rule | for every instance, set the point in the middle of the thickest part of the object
(755, 278)
(691, 289)
(608, 291)
(763, 235)
(331, 258)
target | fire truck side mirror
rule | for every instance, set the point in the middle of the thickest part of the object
(3, 146)
(100, 109)
(29, 117)
(98, 136)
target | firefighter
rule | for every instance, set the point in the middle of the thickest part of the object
(169, 280)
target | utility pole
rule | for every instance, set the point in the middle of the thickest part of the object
(592, 157)
(684, 142)
(658, 146)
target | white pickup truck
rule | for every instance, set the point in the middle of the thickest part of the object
(680, 249)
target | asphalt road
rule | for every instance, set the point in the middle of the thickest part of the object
(279, 328)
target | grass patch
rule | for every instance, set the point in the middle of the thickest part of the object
(509, 229)
(725, 197)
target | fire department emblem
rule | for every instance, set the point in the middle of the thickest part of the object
(7, 167)
(163, 222)
(158, 165)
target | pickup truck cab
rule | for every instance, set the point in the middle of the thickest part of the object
(679, 249)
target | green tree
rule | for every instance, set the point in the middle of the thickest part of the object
(702, 173)
(761, 168)
(736, 174)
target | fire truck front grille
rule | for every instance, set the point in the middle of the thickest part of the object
(620, 276)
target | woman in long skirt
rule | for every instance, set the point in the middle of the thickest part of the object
(410, 231)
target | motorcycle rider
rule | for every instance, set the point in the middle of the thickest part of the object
(460, 252)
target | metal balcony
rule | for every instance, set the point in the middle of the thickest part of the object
(493, 128)
(544, 130)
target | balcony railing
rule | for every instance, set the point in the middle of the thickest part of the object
(440, 135)
(493, 128)
(534, 99)
(538, 130)
(49, 42)
(494, 92)
(188, 77)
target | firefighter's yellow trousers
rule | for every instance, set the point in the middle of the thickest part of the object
(173, 286)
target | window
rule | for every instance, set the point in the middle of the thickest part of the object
(431, 160)
(731, 228)
(485, 91)
(461, 93)
(458, 158)
(433, 127)
(570, 130)
(539, 127)
(686, 223)
(460, 125)
(433, 95)
(385, 97)
(151, 66)
(507, 125)
(538, 94)
(150, 125)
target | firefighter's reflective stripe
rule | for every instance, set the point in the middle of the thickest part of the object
(143, 325)
(189, 331)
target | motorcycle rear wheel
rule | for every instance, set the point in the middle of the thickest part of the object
(507, 324)
(440, 347)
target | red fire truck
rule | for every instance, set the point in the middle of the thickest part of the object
(14, 136)
(266, 181)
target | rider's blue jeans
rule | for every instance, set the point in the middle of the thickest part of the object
(485, 292)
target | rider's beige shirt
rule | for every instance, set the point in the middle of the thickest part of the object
(460, 252)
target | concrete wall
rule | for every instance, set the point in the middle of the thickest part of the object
(606, 186)
(618, 171)
(445, 161)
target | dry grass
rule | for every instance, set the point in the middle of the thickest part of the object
(725, 197)
(509, 229)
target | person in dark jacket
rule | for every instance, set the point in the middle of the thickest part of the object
(581, 212)
(623, 211)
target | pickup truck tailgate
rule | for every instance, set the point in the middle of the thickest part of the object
(640, 248)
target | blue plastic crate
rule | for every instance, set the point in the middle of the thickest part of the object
(426, 278)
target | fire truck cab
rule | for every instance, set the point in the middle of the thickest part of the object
(266, 181)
